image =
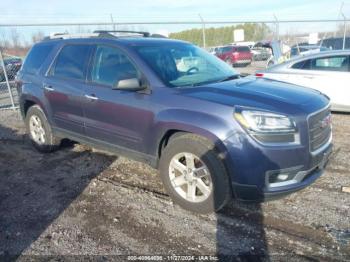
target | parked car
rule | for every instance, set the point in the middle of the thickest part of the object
(327, 72)
(235, 55)
(278, 51)
(12, 66)
(214, 50)
(307, 50)
(260, 53)
(211, 134)
(335, 43)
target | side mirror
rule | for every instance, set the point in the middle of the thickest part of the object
(131, 84)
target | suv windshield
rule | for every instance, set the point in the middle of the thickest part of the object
(185, 65)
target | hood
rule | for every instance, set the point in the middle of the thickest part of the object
(261, 93)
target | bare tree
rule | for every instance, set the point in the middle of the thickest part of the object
(15, 41)
(37, 37)
(4, 43)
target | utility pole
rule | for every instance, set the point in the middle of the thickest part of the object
(113, 22)
(277, 31)
(344, 34)
(203, 30)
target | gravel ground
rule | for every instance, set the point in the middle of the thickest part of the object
(252, 68)
(79, 201)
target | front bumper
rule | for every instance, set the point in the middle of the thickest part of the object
(250, 165)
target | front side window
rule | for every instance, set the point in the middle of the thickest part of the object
(227, 49)
(72, 62)
(335, 63)
(111, 65)
(184, 64)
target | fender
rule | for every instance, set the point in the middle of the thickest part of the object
(203, 124)
(36, 96)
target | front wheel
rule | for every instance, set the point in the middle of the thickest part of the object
(193, 175)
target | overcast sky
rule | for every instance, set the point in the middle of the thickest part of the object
(18, 11)
(41, 11)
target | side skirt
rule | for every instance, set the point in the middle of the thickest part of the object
(118, 150)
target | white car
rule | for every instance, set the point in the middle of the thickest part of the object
(328, 72)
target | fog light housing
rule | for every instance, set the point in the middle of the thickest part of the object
(282, 177)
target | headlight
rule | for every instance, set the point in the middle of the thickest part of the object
(268, 127)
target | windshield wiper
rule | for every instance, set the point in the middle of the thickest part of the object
(231, 77)
(203, 83)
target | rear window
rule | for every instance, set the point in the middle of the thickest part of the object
(36, 58)
(72, 62)
(243, 49)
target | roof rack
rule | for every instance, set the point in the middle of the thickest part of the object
(110, 32)
(69, 36)
(97, 33)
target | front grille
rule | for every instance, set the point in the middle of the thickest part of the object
(320, 130)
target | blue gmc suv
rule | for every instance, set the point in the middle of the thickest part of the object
(213, 135)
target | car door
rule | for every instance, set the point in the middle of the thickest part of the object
(117, 117)
(64, 87)
(329, 74)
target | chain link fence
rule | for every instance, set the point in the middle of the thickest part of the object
(16, 39)
(9, 66)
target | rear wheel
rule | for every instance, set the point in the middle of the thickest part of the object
(193, 175)
(39, 130)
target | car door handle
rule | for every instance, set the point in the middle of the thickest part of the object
(91, 97)
(49, 88)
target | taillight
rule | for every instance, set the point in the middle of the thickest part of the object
(259, 74)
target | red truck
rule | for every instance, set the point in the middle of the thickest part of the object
(235, 55)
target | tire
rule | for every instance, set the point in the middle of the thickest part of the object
(42, 138)
(220, 191)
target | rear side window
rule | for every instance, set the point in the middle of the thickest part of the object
(36, 58)
(72, 62)
(335, 63)
(242, 49)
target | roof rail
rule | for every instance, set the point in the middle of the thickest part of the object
(110, 32)
(97, 33)
(69, 36)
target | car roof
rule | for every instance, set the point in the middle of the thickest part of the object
(307, 46)
(131, 41)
